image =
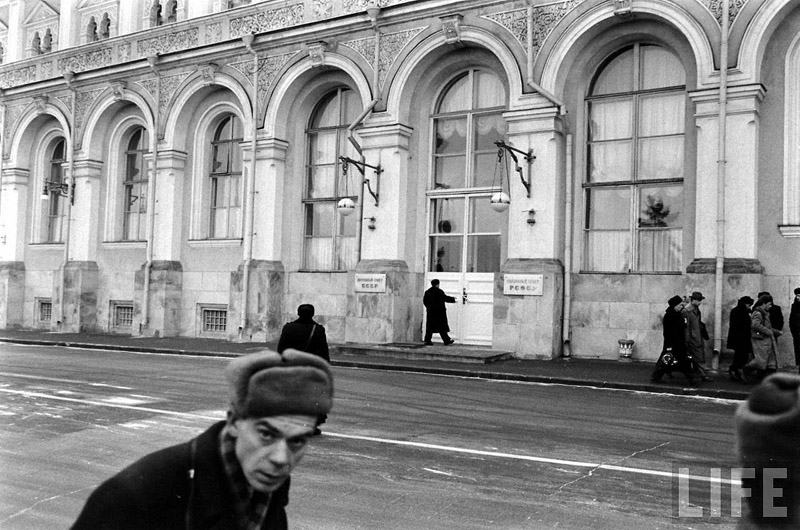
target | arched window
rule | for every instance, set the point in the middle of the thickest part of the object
(466, 236)
(225, 198)
(329, 238)
(633, 188)
(54, 206)
(134, 212)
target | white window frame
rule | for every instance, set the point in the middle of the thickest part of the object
(118, 144)
(42, 174)
(790, 225)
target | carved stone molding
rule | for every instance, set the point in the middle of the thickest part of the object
(208, 73)
(85, 61)
(20, 76)
(40, 102)
(214, 33)
(124, 52)
(83, 103)
(13, 113)
(392, 45)
(364, 47)
(323, 9)
(267, 20)
(266, 77)
(149, 85)
(451, 27)
(316, 51)
(353, 6)
(715, 6)
(168, 42)
(118, 89)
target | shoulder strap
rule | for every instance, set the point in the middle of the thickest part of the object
(310, 336)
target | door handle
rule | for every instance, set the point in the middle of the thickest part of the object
(464, 295)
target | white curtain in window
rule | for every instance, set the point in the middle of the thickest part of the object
(660, 250)
(608, 251)
(318, 253)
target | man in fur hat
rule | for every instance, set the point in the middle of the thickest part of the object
(235, 475)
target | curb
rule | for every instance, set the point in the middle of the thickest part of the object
(457, 372)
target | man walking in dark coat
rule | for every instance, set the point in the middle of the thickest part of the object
(673, 355)
(739, 338)
(436, 321)
(304, 334)
(235, 474)
(794, 325)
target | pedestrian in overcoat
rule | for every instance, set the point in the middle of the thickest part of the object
(762, 336)
(234, 475)
(673, 354)
(436, 320)
(696, 333)
(305, 334)
(794, 325)
(739, 338)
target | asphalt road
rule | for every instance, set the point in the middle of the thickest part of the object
(400, 450)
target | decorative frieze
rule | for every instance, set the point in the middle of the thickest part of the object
(83, 102)
(364, 47)
(214, 33)
(391, 46)
(150, 85)
(124, 52)
(168, 42)
(267, 20)
(20, 76)
(451, 26)
(323, 9)
(85, 61)
(353, 6)
(13, 113)
(715, 6)
(169, 87)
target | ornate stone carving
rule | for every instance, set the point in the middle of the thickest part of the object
(323, 9)
(168, 42)
(150, 85)
(316, 51)
(118, 89)
(40, 102)
(391, 46)
(169, 87)
(85, 61)
(207, 72)
(266, 77)
(715, 6)
(20, 76)
(364, 47)
(66, 100)
(352, 6)
(13, 113)
(83, 102)
(451, 26)
(47, 69)
(267, 20)
(214, 33)
(124, 52)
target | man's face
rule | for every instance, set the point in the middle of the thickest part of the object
(268, 448)
(679, 307)
(696, 302)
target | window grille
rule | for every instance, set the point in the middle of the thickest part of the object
(45, 310)
(215, 320)
(123, 316)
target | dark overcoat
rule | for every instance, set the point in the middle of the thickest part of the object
(794, 319)
(434, 300)
(739, 331)
(675, 333)
(762, 336)
(183, 487)
(296, 335)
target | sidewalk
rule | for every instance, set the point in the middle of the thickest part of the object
(411, 358)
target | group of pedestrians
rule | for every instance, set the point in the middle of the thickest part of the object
(755, 326)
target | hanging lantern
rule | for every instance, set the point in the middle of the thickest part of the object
(500, 201)
(346, 206)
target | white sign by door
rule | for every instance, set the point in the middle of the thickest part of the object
(523, 284)
(370, 283)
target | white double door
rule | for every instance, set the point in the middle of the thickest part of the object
(466, 246)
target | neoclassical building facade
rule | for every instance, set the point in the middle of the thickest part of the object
(201, 168)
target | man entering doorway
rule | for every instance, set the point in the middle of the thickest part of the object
(436, 321)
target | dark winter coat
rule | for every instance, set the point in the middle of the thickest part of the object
(695, 343)
(794, 319)
(296, 335)
(739, 330)
(675, 333)
(159, 493)
(434, 300)
(776, 317)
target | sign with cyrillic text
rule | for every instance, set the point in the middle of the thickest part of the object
(523, 284)
(370, 283)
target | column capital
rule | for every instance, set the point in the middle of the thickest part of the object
(379, 135)
(537, 120)
(741, 99)
(16, 176)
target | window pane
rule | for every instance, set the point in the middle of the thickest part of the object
(224, 130)
(323, 147)
(133, 167)
(661, 158)
(327, 114)
(457, 97)
(450, 172)
(660, 115)
(610, 120)
(445, 254)
(321, 182)
(483, 219)
(487, 171)
(608, 251)
(661, 207)
(236, 157)
(660, 68)
(490, 91)
(610, 162)
(483, 254)
(352, 106)
(617, 76)
(660, 250)
(447, 216)
(608, 209)
(345, 253)
(220, 162)
(451, 136)
(319, 219)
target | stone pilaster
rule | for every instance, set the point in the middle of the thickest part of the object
(80, 286)
(165, 291)
(169, 190)
(83, 233)
(269, 199)
(12, 293)
(264, 302)
(14, 207)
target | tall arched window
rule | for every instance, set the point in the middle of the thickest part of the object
(635, 163)
(329, 238)
(54, 204)
(466, 236)
(226, 180)
(135, 184)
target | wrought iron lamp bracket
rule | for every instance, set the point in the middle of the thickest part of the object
(527, 155)
(362, 168)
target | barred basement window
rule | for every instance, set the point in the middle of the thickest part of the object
(215, 320)
(45, 310)
(123, 316)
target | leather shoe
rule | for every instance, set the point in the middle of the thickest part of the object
(428, 343)
(449, 343)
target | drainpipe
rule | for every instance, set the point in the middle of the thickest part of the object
(68, 77)
(3, 108)
(251, 189)
(721, 162)
(566, 330)
(530, 82)
(152, 60)
(351, 138)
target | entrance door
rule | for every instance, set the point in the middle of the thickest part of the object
(466, 249)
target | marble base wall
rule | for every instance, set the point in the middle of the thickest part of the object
(264, 302)
(80, 290)
(12, 294)
(164, 315)
(530, 326)
(392, 316)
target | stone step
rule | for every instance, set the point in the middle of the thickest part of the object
(417, 351)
